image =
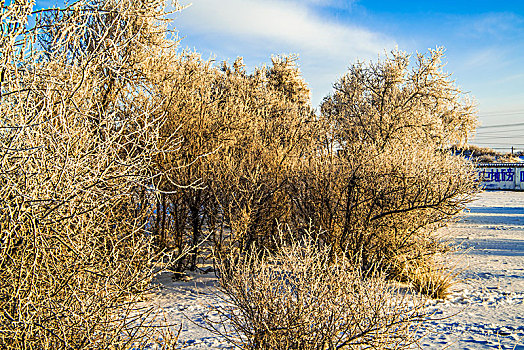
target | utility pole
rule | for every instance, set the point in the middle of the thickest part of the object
(512, 150)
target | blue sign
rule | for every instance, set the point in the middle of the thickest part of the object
(499, 175)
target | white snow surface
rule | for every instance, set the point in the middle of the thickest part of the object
(485, 309)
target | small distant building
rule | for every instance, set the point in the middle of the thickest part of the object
(501, 176)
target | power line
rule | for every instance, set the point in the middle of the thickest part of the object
(494, 137)
(500, 126)
(516, 133)
(518, 137)
(515, 149)
(508, 112)
(515, 126)
(489, 115)
(509, 145)
(507, 148)
(516, 129)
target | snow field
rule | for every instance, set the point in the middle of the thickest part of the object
(485, 309)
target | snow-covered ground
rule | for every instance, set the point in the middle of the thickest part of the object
(484, 311)
(486, 308)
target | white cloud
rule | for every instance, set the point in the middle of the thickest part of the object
(485, 57)
(283, 22)
(341, 4)
(495, 24)
(326, 47)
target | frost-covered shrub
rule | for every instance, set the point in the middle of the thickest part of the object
(382, 180)
(78, 131)
(303, 297)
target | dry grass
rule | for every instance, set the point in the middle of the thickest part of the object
(434, 280)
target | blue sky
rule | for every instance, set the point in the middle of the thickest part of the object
(484, 43)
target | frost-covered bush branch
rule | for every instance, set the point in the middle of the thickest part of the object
(300, 298)
(78, 133)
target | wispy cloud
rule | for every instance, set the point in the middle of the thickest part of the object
(494, 25)
(484, 57)
(326, 47)
(282, 21)
(340, 4)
